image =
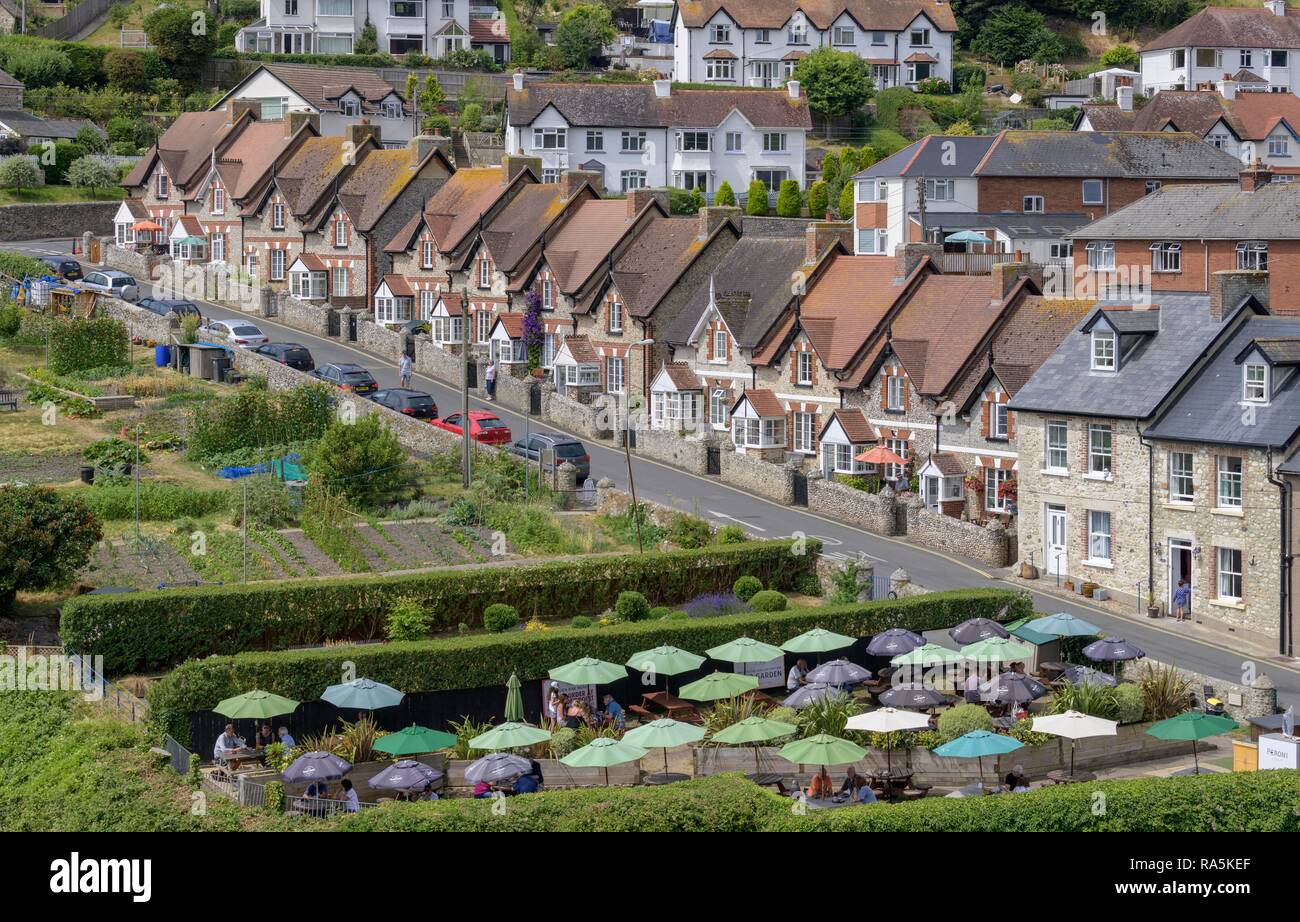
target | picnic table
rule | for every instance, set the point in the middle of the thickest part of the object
(760, 697)
(891, 783)
(770, 780)
(659, 778)
(1064, 776)
(669, 704)
(247, 754)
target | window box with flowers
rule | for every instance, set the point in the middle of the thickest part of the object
(1007, 494)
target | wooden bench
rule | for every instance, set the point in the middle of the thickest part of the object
(643, 713)
(9, 399)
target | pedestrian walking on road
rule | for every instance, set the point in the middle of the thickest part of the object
(404, 369)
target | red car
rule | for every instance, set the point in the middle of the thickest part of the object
(483, 427)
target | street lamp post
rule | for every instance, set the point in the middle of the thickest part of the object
(627, 450)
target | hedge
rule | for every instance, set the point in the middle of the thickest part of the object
(156, 629)
(1235, 802)
(479, 661)
(159, 502)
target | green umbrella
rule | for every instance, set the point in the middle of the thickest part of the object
(588, 671)
(930, 654)
(509, 735)
(1192, 725)
(996, 650)
(602, 752)
(514, 700)
(414, 740)
(822, 749)
(719, 685)
(817, 641)
(1063, 625)
(664, 733)
(976, 745)
(745, 650)
(754, 730)
(256, 704)
(665, 660)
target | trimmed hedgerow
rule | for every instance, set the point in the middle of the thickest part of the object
(478, 661)
(148, 631)
(161, 502)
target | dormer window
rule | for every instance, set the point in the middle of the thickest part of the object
(392, 109)
(1255, 383)
(349, 108)
(1252, 254)
(1103, 350)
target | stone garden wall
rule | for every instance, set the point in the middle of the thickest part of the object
(140, 323)
(565, 413)
(985, 543)
(140, 265)
(1240, 701)
(774, 481)
(872, 511)
(302, 315)
(71, 220)
(680, 450)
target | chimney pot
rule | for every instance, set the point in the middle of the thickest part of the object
(792, 86)
(819, 235)
(519, 79)
(1254, 177)
(663, 88)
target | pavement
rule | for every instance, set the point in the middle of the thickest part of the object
(1200, 651)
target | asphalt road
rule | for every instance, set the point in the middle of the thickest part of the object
(714, 500)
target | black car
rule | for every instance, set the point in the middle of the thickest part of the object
(164, 306)
(404, 400)
(565, 448)
(291, 354)
(63, 266)
(348, 376)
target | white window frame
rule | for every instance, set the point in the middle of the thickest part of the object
(1105, 350)
(805, 432)
(1229, 494)
(719, 347)
(484, 273)
(940, 190)
(719, 69)
(307, 284)
(1033, 204)
(695, 141)
(277, 216)
(550, 138)
(1101, 192)
(735, 142)
(999, 420)
(1252, 254)
(1101, 450)
(719, 33)
(279, 263)
(340, 232)
(1279, 146)
(615, 315)
(719, 407)
(774, 142)
(919, 38)
(162, 185)
(1101, 536)
(894, 392)
(339, 280)
(548, 295)
(804, 368)
(483, 326)
(1182, 483)
(426, 254)
(1101, 255)
(595, 142)
(1229, 564)
(633, 142)
(1057, 451)
(1254, 382)
(615, 374)
(1166, 256)
(843, 35)
(428, 301)
(994, 477)
(633, 179)
(218, 200)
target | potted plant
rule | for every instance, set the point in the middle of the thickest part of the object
(1153, 607)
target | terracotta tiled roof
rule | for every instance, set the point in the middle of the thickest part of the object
(184, 148)
(245, 162)
(137, 209)
(516, 227)
(1229, 27)
(948, 464)
(399, 286)
(1013, 377)
(682, 376)
(321, 87)
(581, 349)
(488, 31)
(190, 224)
(513, 324)
(763, 401)
(376, 182)
(654, 262)
(854, 423)
(311, 261)
(846, 303)
(892, 15)
(719, 54)
(920, 56)
(939, 326)
(624, 105)
(1251, 116)
(584, 241)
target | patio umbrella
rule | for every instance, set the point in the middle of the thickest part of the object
(1112, 650)
(362, 695)
(406, 775)
(146, 226)
(919, 697)
(811, 693)
(888, 720)
(817, 641)
(510, 735)
(414, 740)
(839, 672)
(316, 766)
(930, 654)
(499, 766)
(602, 752)
(256, 704)
(1086, 675)
(664, 733)
(967, 236)
(1192, 725)
(663, 661)
(1063, 625)
(588, 671)
(1072, 726)
(822, 749)
(718, 685)
(976, 629)
(753, 730)
(879, 455)
(1013, 688)
(745, 650)
(976, 745)
(514, 700)
(894, 641)
(996, 650)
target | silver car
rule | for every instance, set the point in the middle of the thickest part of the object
(240, 333)
(112, 282)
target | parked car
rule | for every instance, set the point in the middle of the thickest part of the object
(291, 354)
(63, 266)
(240, 332)
(565, 448)
(484, 427)
(112, 282)
(404, 400)
(164, 306)
(348, 376)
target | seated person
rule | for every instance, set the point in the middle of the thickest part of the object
(318, 792)
(286, 740)
(1015, 781)
(852, 782)
(865, 795)
(226, 743)
(482, 790)
(525, 784)
(265, 736)
(614, 715)
(429, 793)
(821, 786)
(352, 803)
(535, 769)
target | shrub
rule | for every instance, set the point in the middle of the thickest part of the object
(11, 320)
(690, 531)
(91, 172)
(731, 534)
(769, 600)
(746, 587)
(126, 71)
(845, 209)
(91, 343)
(1086, 698)
(818, 199)
(962, 719)
(1120, 56)
(159, 502)
(362, 459)
(1128, 699)
(436, 124)
(1166, 692)
(581, 622)
(725, 195)
(658, 613)
(407, 620)
(756, 200)
(676, 615)
(38, 66)
(18, 172)
(500, 617)
(968, 75)
(47, 539)
(714, 604)
(632, 606)
(471, 117)
(789, 204)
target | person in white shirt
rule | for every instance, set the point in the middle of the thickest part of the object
(227, 742)
(352, 803)
(796, 676)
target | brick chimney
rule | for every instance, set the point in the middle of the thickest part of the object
(637, 199)
(713, 216)
(426, 144)
(358, 133)
(572, 180)
(293, 121)
(237, 107)
(819, 235)
(517, 163)
(909, 255)
(1254, 176)
(663, 88)
(1229, 287)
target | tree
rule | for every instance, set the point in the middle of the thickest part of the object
(37, 66)
(182, 39)
(89, 139)
(836, 82)
(126, 71)
(18, 172)
(583, 33)
(1011, 33)
(830, 168)
(818, 199)
(789, 204)
(846, 202)
(361, 460)
(756, 199)
(91, 173)
(962, 127)
(1124, 56)
(725, 195)
(697, 200)
(45, 540)
(368, 40)
(432, 98)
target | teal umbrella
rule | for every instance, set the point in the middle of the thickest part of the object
(1192, 725)
(976, 745)
(414, 740)
(588, 671)
(509, 735)
(514, 700)
(967, 236)
(1063, 625)
(362, 695)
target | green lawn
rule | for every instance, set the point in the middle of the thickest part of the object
(47, 194)
(110, 35)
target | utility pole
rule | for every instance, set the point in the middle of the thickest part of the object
(627, 440)
(464, 386)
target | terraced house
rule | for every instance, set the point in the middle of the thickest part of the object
(758, 42)
(640, 136)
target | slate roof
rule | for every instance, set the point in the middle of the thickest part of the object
(615, 105)
(322, 87)
(29, 125)
(1123, 154)
(1012, 223)
(1065, 383)
(648, 268)
(1231, 27)
(925, 158)
(8, 80)
(1278, 349)
(773, 14)
(1292, 464)
(1250, 116)
(1211, 212)
(1210, 409)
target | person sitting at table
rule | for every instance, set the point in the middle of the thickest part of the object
(797, 676)
(866, 795)
(428, 794)
(821, 786)
(1015, 781)
(525, 784)
(352, 803)
(852, 782)
(317, 793)
(482, 789)
(265, 736)
(227, 742)
(535, 769)
(286, 740)
(614, 715)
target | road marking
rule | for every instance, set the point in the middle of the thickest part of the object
(723, 515)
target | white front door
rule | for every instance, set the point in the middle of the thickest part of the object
(1180, 566)
(932, 492)
(1055, 534)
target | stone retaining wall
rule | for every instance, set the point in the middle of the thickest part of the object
(685, 450)
(872, 511)
(376, 338)
(139, 322)
(141, 265)
(1240, 701)
(774, 481)
(565, 413)
(70, 219)
(302, 315)
(985, 543)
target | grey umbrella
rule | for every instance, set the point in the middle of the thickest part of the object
(839, 672)
(316, 766)
(406, 775)
(1086, 675)
(499, 766)
(977, 629)
(810, 693)
(1013, 688)
(894, 641)
(1112, 650)
(915, 697)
